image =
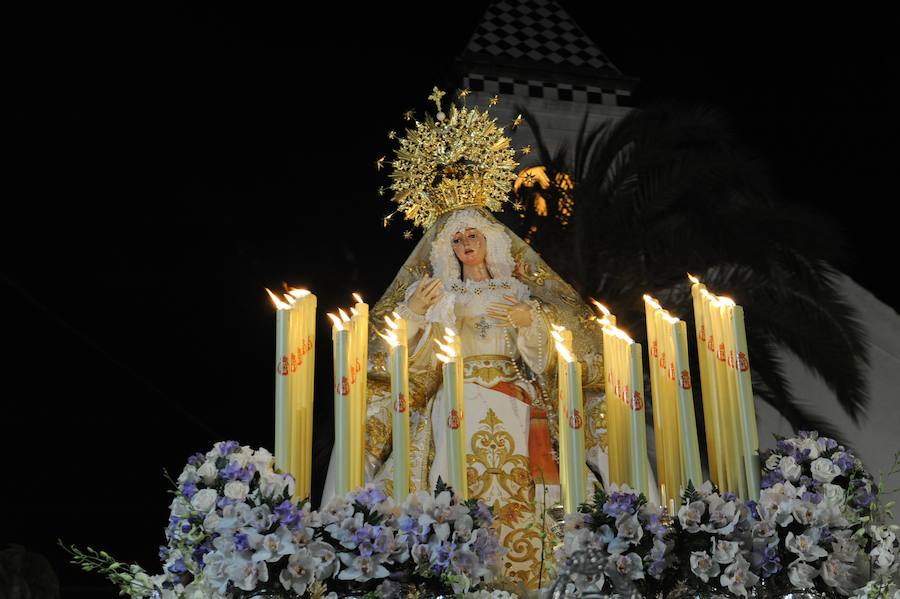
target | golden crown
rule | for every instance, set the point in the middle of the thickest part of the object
(451, 161)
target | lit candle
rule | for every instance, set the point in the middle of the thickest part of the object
(746, 407)
(690, 450)
(640, 480)
(282, 398)
(707, 381)
(359, 333)
(572, 421)
(303, 331)
(734, 473)
(399, 406)
(340, 337)
(651, 309)
(454, 414)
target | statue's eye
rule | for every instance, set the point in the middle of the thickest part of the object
(456, 240)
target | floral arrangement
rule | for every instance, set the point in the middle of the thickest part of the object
(815, 500)
(618, 543)
(711, 534)
(235, 533)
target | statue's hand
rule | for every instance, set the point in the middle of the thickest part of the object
(514, 312)
(426, 294)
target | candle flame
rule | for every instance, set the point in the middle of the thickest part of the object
(390, 337)
(443, 358)
(605, 322)
(391, 323)
(298, 293)
(693, 279)
(358, 298)
(557, 335)
(564, 352)
(396, 316)
(601, 307)
(278, 303)
(450, 332)
(621, 334)
(343, 314)
(727, 301)
(557, 327)
(337, 321)
(290, 299)
(353, 311)
(446, 349)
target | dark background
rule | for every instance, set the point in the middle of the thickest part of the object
(168, 163)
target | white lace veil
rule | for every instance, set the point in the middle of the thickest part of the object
(445, 265)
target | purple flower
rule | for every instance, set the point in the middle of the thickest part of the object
(655, 527)
(224, 502)
(241, 543)
(178, 567)
(619, 503)
(752, 506)
(766, 561)
(287, 513)
(729, 496)
(200, 551)
(189, 489)
(656, 568)
(806, 481)
(829, 443)
(771, 479)
(811, 497)
(783, 446)
(442, 557)
(845, 462)
(197, 459)
(483, 513)
(246, 473)
(231, 471)
(229, 447)
(163, 553)
(370, 497)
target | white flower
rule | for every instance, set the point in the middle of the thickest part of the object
(275, 545)
(621, 568)
(299, 573)
(723, 516)
(833, 495)
(208, 472)
(629, 532)
(836, 574)
(883, 534)
(738, 577)
(245, 574)
(790, 468)
(204, 500)
(703, 566)
(882, 558)
(361, 568)
(236, 490)
(189, 474)
(705, 490)
(724, 552)
(809, 444)
(772, 461)
(801, 574)
(263, 460)
(806, 545)
(804, 511)
(824, 470)
(690, 515)
(843, 546)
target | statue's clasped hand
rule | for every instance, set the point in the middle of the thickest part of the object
(515, 313)
(426, 295)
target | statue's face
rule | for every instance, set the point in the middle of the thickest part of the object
(470, 247)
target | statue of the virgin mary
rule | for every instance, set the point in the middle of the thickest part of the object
(471, 273)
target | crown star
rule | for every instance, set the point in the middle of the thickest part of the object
(379, 164)
(494, 101)
(517, 121)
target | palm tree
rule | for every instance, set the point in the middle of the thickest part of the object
(666, 190)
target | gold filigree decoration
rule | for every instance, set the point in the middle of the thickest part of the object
(378, 439)
(451, 161)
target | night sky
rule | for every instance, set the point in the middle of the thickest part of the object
(168, 163)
